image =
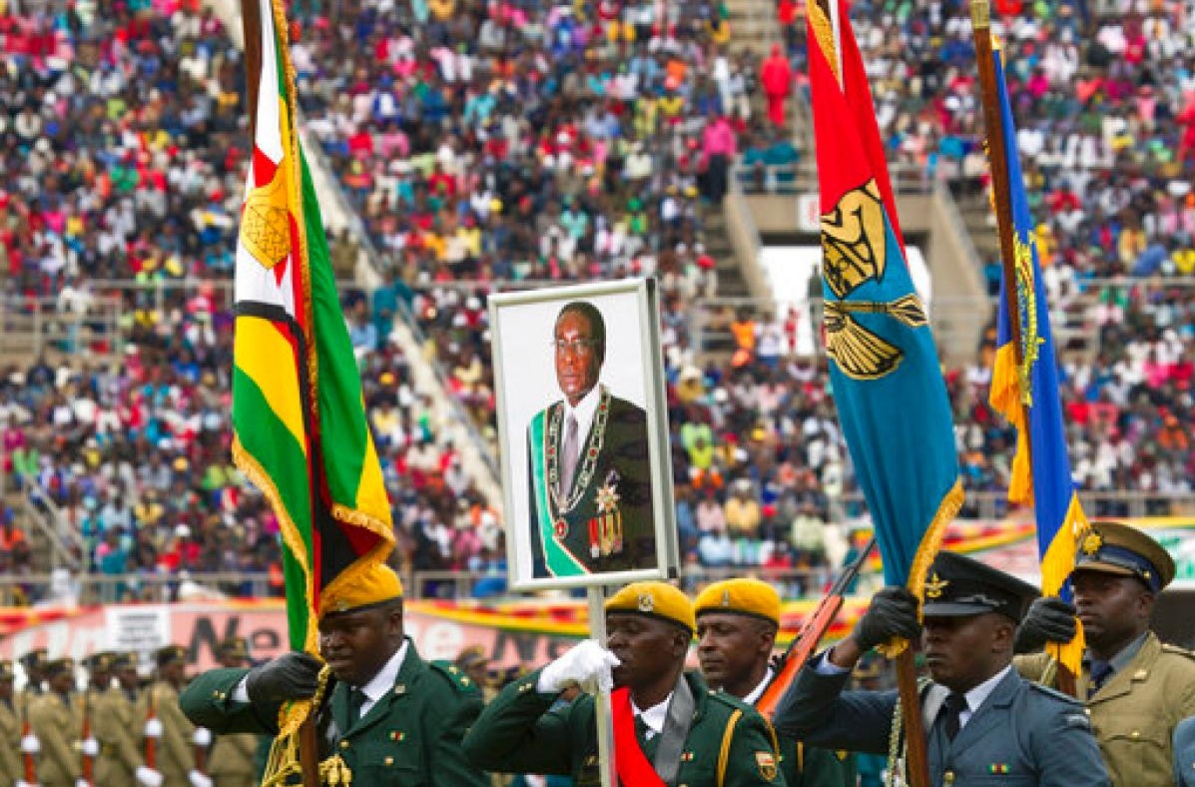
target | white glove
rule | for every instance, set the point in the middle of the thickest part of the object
(90, 747)
(23, 783)
(82, 783)
(199, 780)
(30, 744)
(202, 737)
(149, 777)
(587, 664)
(153, 728)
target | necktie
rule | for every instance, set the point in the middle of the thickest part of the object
(357, 700)
(568, 459)
(1100, 672)
(641, 728)
(953, 709)
(647, 737)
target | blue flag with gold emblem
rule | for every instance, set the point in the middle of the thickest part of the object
(1025, 391)
(884, 367)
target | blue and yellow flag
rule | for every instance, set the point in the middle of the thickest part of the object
(1026, 393)
(884, 368)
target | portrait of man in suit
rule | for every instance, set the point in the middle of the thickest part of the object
(588, 463)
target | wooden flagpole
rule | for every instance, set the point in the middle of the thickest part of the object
(1001, 188)
(251, 25)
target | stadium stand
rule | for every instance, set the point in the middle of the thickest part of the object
(512, 144)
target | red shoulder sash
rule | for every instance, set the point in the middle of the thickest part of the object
(634, 769)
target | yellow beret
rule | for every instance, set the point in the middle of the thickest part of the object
(355, 590)
(655, 600)
(741, 597)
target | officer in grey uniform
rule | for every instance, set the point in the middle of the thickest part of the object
(984, 723)
(1184, 753)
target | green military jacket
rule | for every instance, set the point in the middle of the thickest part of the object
(1134, 714)
(55, 721)
(410, 737)
(175, 752)
(118, 724)
(522, 731)
(11, 764)
(809, 766)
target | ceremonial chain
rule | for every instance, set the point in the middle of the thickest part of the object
(593, 449)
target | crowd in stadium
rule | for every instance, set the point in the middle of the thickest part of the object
(520, 142)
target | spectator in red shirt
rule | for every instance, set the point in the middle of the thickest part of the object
(776, 76)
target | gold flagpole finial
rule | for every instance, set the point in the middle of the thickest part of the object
(981, 14)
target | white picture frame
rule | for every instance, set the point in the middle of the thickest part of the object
(598, 534)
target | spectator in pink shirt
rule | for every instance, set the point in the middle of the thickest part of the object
(717, 151)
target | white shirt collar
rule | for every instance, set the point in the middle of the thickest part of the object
(383, 683)
(757, 692)
(655, 716)
(976, 696)
(583, 412)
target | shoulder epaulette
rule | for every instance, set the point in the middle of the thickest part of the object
(726, 699)
(455, 676)
(1175, 649)
(1058, 695)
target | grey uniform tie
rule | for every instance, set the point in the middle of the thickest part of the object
(568, 455)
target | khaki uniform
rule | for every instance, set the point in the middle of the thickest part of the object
(56, 722)
(232, 762)
(176, 749)
(117, 722)
(11, 763)
(1134, 714)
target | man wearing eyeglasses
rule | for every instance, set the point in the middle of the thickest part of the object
(591, 508)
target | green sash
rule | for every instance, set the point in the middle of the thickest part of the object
(559, 561)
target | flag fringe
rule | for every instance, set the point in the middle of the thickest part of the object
(927, 550)
(291, 536)
(1005, 398)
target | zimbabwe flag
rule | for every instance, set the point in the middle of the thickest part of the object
(300, 431)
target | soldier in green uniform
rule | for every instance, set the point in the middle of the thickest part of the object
(669, 728)
(737, 623)
(10, 730)
(233, 756)
(388, 716)
(56, 722)
(1137, 690)
(176, 742)
(1184, 753)
(118, 723)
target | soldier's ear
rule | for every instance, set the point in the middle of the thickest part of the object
(1003, 632)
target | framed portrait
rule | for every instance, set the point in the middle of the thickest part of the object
(583, 430)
